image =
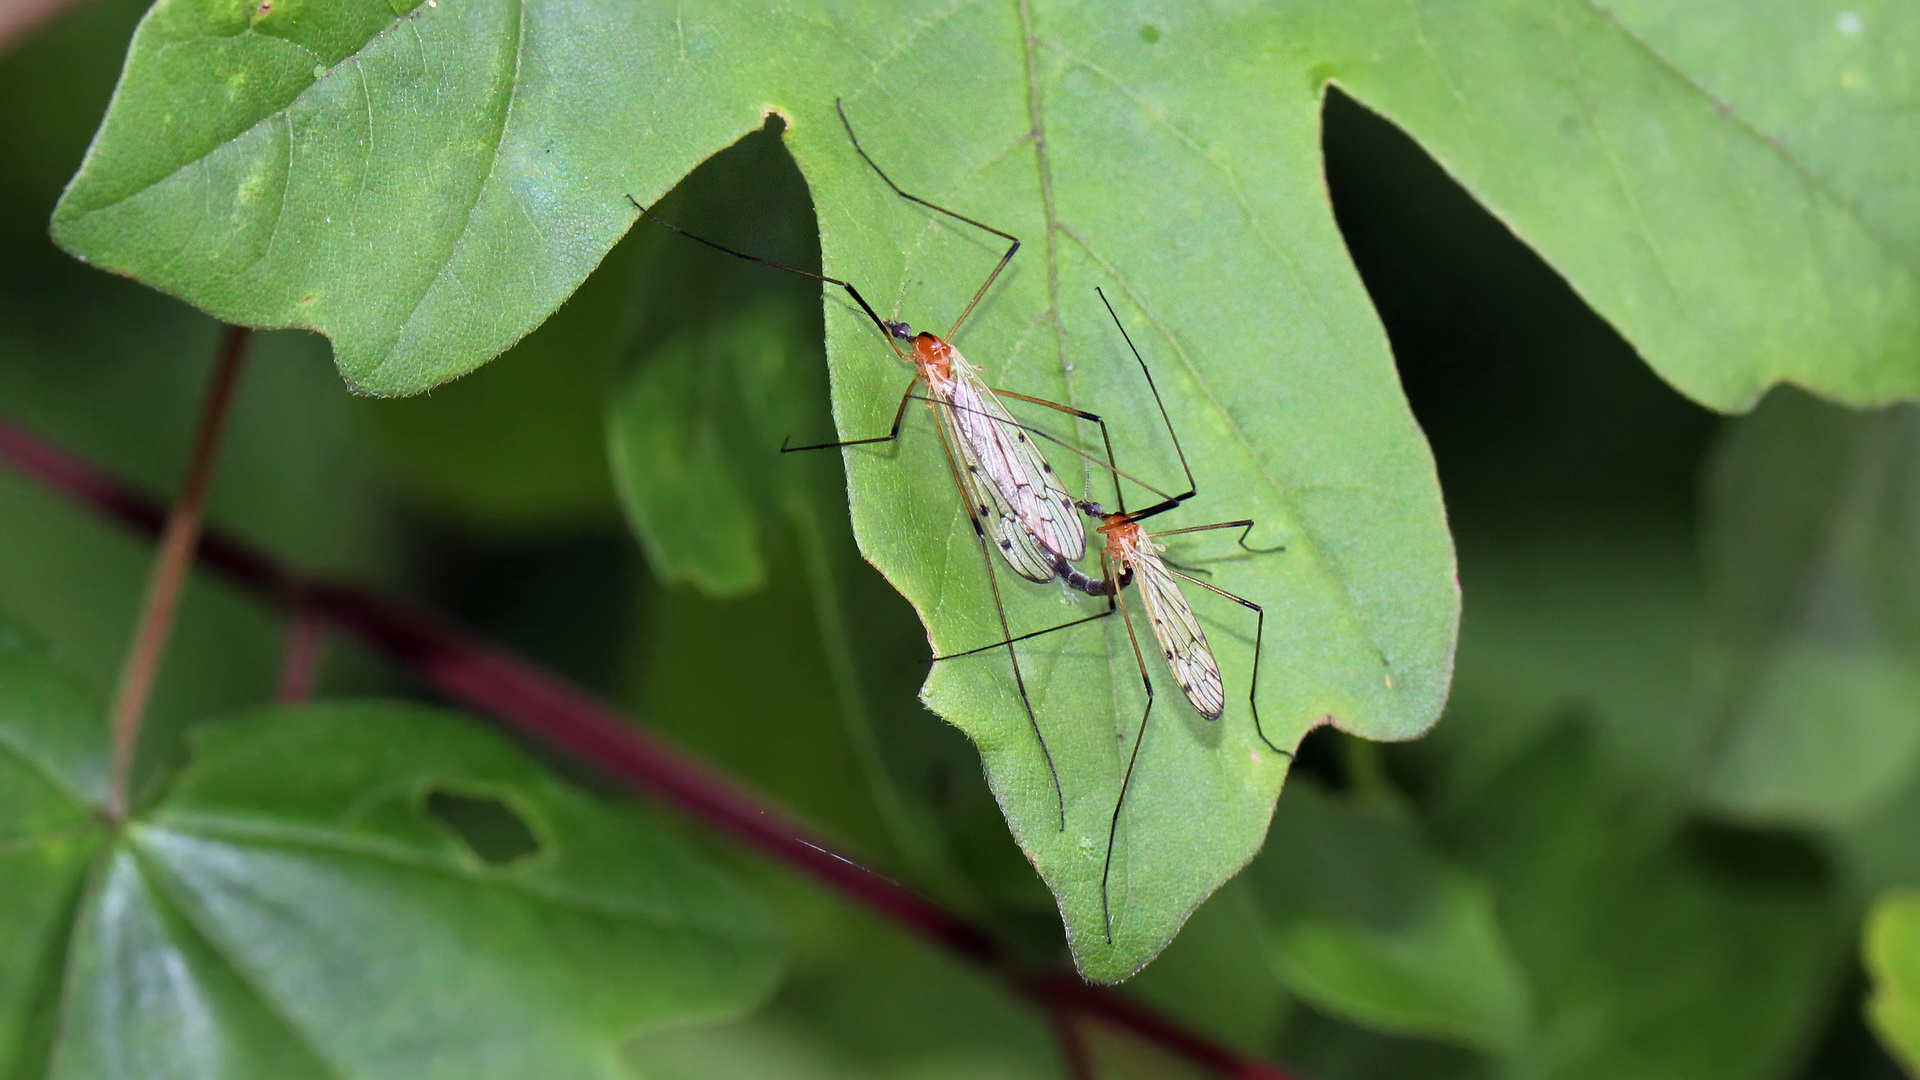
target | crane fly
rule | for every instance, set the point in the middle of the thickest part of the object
(1012, 495)
(1130, 555)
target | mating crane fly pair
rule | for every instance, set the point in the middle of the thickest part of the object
(1019, 507)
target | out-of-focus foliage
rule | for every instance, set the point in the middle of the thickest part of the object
(1893, 959)
(1368, 923)
(1815, 656)
(361, 890)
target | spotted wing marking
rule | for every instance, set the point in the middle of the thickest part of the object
(1178, 632)
(1012, 462)
(1005, 530)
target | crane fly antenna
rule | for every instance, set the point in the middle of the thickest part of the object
(1014, 241)
(1192, 487)
(892, 331)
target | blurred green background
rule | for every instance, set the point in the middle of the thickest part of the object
(1679, 762)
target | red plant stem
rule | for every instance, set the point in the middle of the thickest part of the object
(546, 707)
(1075, 1054)
(300, 656)
(170, 565)
(20, 18)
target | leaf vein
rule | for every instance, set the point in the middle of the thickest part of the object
(1584, 93)
(200, 159)
(1036, 117)
(906, 41)
(1773, 143)
(511, 95)
(13, 746)
(229, 830)
(199, 920)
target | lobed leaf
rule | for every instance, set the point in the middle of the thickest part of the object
(369, 890)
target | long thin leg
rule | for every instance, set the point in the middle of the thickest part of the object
(1245, 525)
(1004, 259)
(1000, 607)
(1025, 637)
(893, 433)
(1183, 567)
(893, 332)
(1259, 635)
(1068, 409)
(1126, 778)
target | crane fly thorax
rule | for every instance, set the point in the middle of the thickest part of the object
(934, 358)
(1125, 538)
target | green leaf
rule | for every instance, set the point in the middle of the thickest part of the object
(364, 890)
(52, 782)
(721, 355)
(1212, 981)
(1892, 950)
(667, 435)
(1596, 616)
(1367, 922)
(1654, 949)
(480, 149)
(726, 367)
(1609, 134)
(1815, 612)
(116, 374)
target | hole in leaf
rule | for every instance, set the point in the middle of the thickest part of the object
(489, 827)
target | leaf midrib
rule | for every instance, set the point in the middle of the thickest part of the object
(510, 95)
(264, 118)
(15, 748)
(299, 838)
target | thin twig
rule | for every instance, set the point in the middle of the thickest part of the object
(177, 542)
(543, 705)
(1075, 1054)
(300, 655)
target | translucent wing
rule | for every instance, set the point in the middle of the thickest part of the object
(1005, 528)
(1178, 632)
(1010, 460)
